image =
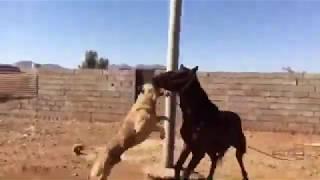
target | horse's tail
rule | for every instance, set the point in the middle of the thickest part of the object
(242, 142)
(240, 138)
(242, 146)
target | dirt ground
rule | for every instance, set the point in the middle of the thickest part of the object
(42, 150)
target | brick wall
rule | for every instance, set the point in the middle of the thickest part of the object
(265, 101)
(268, 101)
(17, 85)
(91, 95)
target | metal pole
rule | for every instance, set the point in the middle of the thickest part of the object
(172, 64)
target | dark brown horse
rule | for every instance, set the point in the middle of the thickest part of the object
(205, 129)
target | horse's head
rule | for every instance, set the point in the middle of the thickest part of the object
(176, 81)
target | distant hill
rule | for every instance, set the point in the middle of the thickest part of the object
(151, 66)
(120, 66)
(51, 66)
(7, 68)
(138, 66)
(28, 65)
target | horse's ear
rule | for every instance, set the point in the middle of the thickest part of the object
(195, 69)
(154, 82)
(181, 66)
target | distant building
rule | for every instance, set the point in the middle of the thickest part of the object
(25, 64)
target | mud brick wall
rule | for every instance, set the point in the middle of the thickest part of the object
(268, 101)
(90, 95)
(265, 101)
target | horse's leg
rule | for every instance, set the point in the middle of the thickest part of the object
(214, 158)
(182, 158)
(240, 151)
(196, 158)
(239, 156)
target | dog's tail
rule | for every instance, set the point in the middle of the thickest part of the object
(77, 149)
(86, 153)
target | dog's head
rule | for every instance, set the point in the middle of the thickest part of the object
(149, 91)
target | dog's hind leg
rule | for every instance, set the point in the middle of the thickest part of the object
(112, 155)
(111, 158)
(182, 158)
(104, 162)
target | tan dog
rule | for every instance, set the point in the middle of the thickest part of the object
(136, 127)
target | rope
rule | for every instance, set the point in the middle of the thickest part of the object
(270, 155)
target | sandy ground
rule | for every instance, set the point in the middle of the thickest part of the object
(41, 150)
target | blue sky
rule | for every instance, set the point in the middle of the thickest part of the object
(216, 35)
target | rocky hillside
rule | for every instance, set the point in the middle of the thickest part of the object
(28, 65)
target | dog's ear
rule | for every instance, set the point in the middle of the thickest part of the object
(140, 89)
(195, 69)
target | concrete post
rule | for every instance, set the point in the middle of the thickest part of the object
(172, 64)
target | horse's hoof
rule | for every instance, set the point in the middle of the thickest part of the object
(176, 176)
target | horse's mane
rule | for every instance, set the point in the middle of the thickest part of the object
(198, 96)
